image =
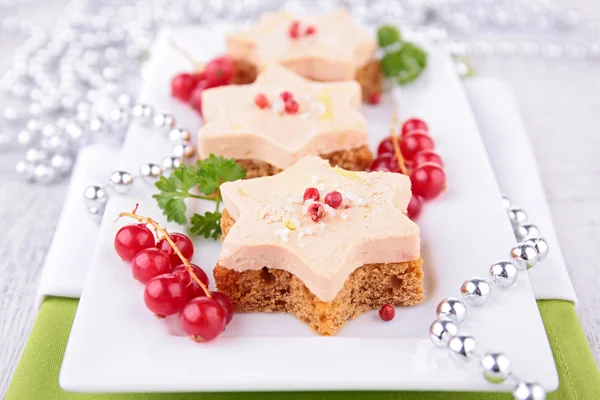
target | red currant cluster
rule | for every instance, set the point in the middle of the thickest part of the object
(295, 31)
(173, 285)
(316, 209)
(291, 106)
(416, 151)
(188, 87)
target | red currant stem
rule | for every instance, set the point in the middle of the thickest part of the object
(199, 66)
(167, 237)
(396, 144)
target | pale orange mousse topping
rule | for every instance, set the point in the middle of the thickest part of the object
(274, 229)
(327, 119)
(334, 52)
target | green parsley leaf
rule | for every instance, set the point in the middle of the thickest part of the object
(213, 171)
(173, 190)
(387, 35)
(405, 64)
(207, 225)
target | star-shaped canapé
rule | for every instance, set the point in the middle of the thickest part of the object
(326, 119)
(327, 47)
(275, 227)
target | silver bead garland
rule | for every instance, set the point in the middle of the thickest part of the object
(451, 312)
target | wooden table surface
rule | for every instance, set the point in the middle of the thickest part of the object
(560, 104)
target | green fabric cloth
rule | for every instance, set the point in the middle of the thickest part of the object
(36, 376)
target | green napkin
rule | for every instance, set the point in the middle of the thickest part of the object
(36, 376)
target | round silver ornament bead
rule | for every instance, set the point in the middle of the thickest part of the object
(462, 347)
(151, 171)
(142, 111)
(62, 163)
(164, 120)
(503, 273)
(35, 155)
(95, 195)
(517, 215)
(524, 230)
(58, 144)
(26, 137)
(119, 117)
(476, 291)
(529, 391)
(170, 163)
(540, 245)
(452, 309)
(183, 150)
(44, 174)
(441, 331)
(180, 135)
(121, 181)
(496, 367)
(524, 255)
(97, 125)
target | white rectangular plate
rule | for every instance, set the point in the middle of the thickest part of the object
(116, 345)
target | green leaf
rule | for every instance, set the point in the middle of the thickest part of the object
(387, 35)
(173, 190)
(213, 171)
(405, 64)
(412, 51)
(207, 225)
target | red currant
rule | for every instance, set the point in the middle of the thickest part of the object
(294, 30)
(387, 312)
(183, 243)
(310, 30)
(190, 286)
(149, 263)
(285, 95)
(385, 162)
(164, 295)
(375, 98)
(414, 207)
(386, 146)
(316, 211)
(428, 180)
(131, 239)
(219, 71)
(261, 100)
(413, 124)
(311, 194)
(196, 97)
(413, 143)
(224, 302)
(203, 319)
(333, 199)
(427, 156)
(182, 86)
(291, 106)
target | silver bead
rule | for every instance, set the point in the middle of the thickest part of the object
(97, 125)
(462, 347)
(121, 181)
(44, 174)
(49, 130)
(26, 137)
(540, 245)
(529, 391)
(476, 291)
(183, 150)
(164, 120)
(25, 169)
(452, 309)
(11, 114)
(517, 215)
(151, 171)
(119, 117)
(170, 163)
(34, 125)
(142, 111)
(61, 163)
(525, 255)
(441, 331)
(524, 230)
(506, 202)
(125, 100)
(58, 144)
(504, 273)
(180, 134)
(95, 195)
(35, 155)
(496, 367)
